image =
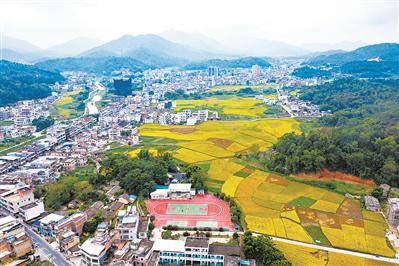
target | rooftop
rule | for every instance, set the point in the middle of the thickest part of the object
(224, 250)
(169, 245)
(179, 187)
(197, 242)
(52, 217)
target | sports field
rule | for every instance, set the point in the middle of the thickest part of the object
(212, 140)
(201, 211)
(187, 209)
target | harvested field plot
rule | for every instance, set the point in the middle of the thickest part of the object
(211, 140)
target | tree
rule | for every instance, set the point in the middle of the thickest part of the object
(377, 193)
(262, 249)
(166, 234)
(390, 171)
(42, 122)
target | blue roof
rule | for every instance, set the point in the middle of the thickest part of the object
(133, 197)
(161, 187)
(245, 262)
(102, 226)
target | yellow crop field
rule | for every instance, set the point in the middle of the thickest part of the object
(291, 215)
(373, 216)
(222, 169)
(190, 156)
(279, 227)
(378, 245)
(228, 105)
(375, 228)
(206, 147)
(210, 137)
(135, 152)
(239, 87)
(295, 231)
(326, 206)
(66, 98)
(300, 256)
(247, 187)
(260, 225)
(230, 185)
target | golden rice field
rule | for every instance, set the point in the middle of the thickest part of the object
(239, 87)
(218, 140)
(300, 256)
(135, 152)
(234, 105)
(63, 104)
(275, 206)
(67, 98)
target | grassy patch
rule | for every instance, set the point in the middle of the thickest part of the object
(244, 172)
(336, 186)
(119, 150)
(4, 123)
(204, 165)
(84, 173)
(19, 143)
(71, 104)
(303, 202)
(317, 235)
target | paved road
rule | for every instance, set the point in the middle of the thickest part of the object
(54, 256)
(337, 250)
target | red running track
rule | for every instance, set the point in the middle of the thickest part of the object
(218, 211)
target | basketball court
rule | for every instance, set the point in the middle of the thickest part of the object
(201, 211)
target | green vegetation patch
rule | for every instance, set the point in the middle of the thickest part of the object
(303, 202)
(317, 235)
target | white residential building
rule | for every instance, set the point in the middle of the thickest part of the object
(18, 197)
(94, 250)
(32, 210)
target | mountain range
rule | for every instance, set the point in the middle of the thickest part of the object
(375, 52)
(18, 50)
(167, 47)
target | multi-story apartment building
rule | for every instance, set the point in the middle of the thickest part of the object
(31, 210)
(128, 223)
(94, 250)
(15, 198)
(393, 211)
(13, 240)
(195, 251)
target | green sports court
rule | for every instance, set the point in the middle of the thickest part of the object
(187, 209)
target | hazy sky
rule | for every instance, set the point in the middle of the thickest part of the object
(48, 22)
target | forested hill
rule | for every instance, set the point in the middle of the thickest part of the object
(98, 65)
(244, 62)
(363, 135)
(23, 82)
(383, 51)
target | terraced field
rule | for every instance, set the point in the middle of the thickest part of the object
(215, 140)
(299, 256)
(275, 206)
(239, 87)
(71, 104)
(227, 105)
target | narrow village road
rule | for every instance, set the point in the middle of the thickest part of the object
(55, 256)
